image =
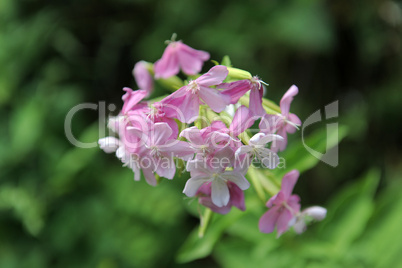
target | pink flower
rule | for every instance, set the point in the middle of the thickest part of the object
(187, 99)
(282, 123)
(203, 172)
(132, 100)
(142, 77)
(235, 193)
(160, 149)
(129, 156)
(207, 142)
(237, 89)
(179, 56)
(283, 207)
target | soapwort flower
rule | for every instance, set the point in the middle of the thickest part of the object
(256, 149)
(236, 198)
(282, 123)
(178, 55)
(203, 172)
(236, 90)
(283, 206)
(149, 136)
(188, 99)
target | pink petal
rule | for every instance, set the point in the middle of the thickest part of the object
(280, 145)
(282, 223)
(179, 149)
(267, 222)
(288, 182)
(276, 200)
(184, 108)
(161, 133)
(295, 120)
(149, 176)
(216, 126)
(242, 120)
(205, 189)
(172, 124)
(262, 139)
(218, 140)
(165, 167)
(236, 196)
(268, 158)
(142, 77)
(243, 150)
(213, 77)
(198, 168)
(287, 100)
(255, 104)
(270, 123)
(214, 99)
(235, 90)
(134, 139)
(190, 60)
(219, 193)
(237, 178)
(168, 65)
(131, 98)
(193, 184)
(207, 202)
(193, 135)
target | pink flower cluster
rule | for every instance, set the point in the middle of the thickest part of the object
(152, 136)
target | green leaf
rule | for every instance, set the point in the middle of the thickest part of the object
(350, 211)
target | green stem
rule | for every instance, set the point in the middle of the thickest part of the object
(269, 186)
(256, 183)
(205, 219)
(270, 106)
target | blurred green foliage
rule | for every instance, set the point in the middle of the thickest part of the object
(62, 206)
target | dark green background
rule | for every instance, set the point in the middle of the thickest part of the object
(62, 206)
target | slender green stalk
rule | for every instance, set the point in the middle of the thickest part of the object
(270, 106)
(205, 219)
(255, 180)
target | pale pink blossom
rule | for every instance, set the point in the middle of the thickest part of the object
(160, 148)
(132, 100)
(130, 157)
(235, 193)
(203, 172)
(283, 207)
(235, 90)
(256, 149)
(282, 123)
(188, 99)
(179, 56)
(207, 142)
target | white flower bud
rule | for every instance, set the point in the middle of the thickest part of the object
(109, 144)
(316, 212)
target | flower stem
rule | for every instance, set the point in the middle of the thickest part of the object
(256, 183)
(270, 106)
(205, 219)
